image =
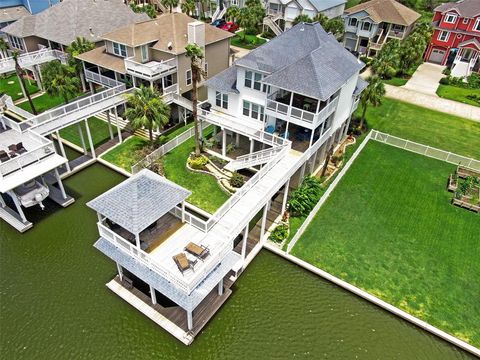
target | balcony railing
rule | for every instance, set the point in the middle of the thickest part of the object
(396, 33)
(32, 58)
(151, 70)
(101, 79)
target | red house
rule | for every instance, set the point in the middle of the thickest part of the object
(456, 39)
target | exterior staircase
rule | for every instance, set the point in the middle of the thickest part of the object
(253, 159)
(218, 14)
(270, 22)
(461, 69)
(143, 133)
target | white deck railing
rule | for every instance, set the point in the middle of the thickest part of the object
(101, 79)
(151, 70)
(32, 58)
(253, 159)
(7, 100)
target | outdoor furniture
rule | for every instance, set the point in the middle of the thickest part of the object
(183, 263)
(199, 251)
(270, 129)
(17, 148)
(4, 156)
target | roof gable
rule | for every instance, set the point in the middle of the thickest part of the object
(389, 11)
(465, 8)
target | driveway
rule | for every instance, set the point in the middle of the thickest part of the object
(425, 79)
(237, 53)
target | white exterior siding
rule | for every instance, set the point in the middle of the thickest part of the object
(345, 101)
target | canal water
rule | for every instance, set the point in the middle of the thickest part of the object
(54, 303)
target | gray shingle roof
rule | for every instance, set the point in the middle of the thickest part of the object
(12, 13)
(139, 201)
(304, 59)
(465, 8)
(65, 21)
(322, 5)
(361, 85)
(225, 81)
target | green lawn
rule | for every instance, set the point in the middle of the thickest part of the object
(390, 229)
(396, 81)
(458, 94)
(444, 131)
(206, 192)
(251, 41)
(124, 155)
(98, 130)
(14, 90)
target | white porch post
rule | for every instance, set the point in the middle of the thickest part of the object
(237, 140)
(120, 271)
(134, 82)
(252, 145)
(120, 140)
(82, 138)
(220, 287)
(36, 73)
(285, 197)
(264, 221)
(224, 142)
(151, 84)
(60, 184)
(109, 124)
(92, 89)
(17, 205)
(137, 240)
(311, 138)
(90, 141)
(312, 163)
(183, 211)
(302, 172)
(244, 244)
(62, 150)
(153, 295)
(189, 320)
(2, 202)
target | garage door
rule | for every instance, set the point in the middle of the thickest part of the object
(350, 43)
(436, 56)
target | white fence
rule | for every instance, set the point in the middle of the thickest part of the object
(426, 150)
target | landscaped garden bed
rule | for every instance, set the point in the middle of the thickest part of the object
(127, 153)
(247, 41)
(467, 92)
(465, 183)
(389, 228)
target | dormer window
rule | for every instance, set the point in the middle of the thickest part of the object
(366, 26)
(352, 22)
(450, 18)
(119, 49)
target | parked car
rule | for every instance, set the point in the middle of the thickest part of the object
(218, 23)
(230, 26)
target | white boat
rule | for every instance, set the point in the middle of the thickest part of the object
(32, 193)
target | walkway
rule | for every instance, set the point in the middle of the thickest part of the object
(426, 79)
(433, 102)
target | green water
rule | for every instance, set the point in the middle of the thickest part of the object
(54, 304)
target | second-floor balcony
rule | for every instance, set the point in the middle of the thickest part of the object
(152, 70)
(299, 109)
(397, 34)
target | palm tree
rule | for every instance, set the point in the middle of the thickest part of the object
(3, 48)
(188, 7)
(19, 72)
(195, 53)
(232, 13)
(60, 80)
(170, 4)
(302, 18)
(77, 47)
(372, 95)
(146, 108)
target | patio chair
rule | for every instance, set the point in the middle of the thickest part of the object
(17, 148)
(183, 263)
(270, 129)
(198, 251)
(4, 156)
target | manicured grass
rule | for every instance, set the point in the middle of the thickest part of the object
(14, 90)
(176, 132)
(42, 103)
(251, 41)
(124, 155)
(396, 81)
(389, 228)
(206, 192)
(429, 127)
(458, 94)
(98, 130)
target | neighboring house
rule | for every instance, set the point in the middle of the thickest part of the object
(368, 26)
(456, 39)
(58, 26)
(153, 53)
(32, 6)
(177, 264)
(10, 14)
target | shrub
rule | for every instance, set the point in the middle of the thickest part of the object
(230, 148)
(446, 71)
(237, 180)
(336, 159)
(474, 97)
(279, 234)
(303, 199)
(198, 162)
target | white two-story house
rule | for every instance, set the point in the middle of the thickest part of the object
(369, 25)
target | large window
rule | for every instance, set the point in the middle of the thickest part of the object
(253, 80)
(443, 35)
(352, 22)
(144, 53)
(476, 26)
(221, 100)
(450, 18)
(253, 111)
(188, 77)
(119, 49)
(16, 42)
(366, 26)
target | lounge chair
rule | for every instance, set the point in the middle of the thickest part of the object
(17, 148)
(183, 263)
(198, 251)
(4, 156)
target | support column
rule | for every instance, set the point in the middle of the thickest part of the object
(237, 140)
(92, 87)
(189, 320)
(224, 142)
(348, 125)
(220, 288)
(244, 244)
(36, 74)
(120, 271)
(17, 205)
(82, 139)
(312, 163)
(60, 184)
(2, 202)
(90, 141)
(62, 150)
(137, 240)
(183, 211)
(285, 197)
(264, 221)
(109, 124)
(120, 140)
(153, 295)
(134, 82)
(252, 145)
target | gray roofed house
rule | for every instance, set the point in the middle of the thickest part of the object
(139, 201)
(65, 21)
